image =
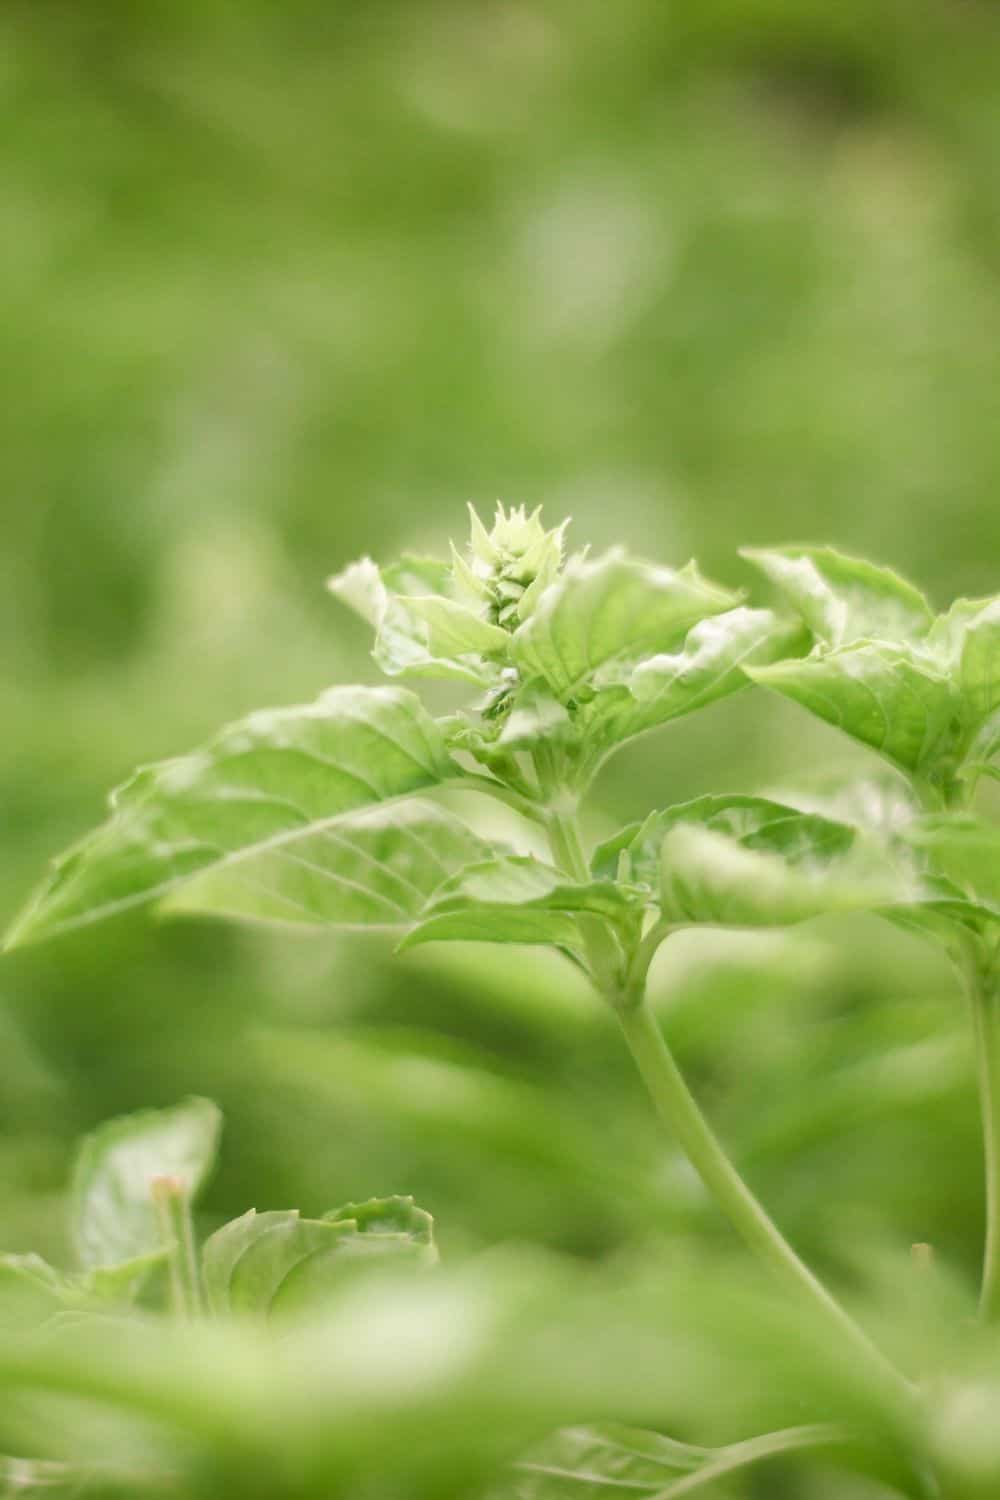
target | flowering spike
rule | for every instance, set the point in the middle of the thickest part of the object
(509, 566)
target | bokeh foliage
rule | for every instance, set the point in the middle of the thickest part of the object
(282, 285)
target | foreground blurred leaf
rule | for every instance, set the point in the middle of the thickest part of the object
(517, 899)
(602, 1461)
(264, 783)
(279, 1262)
(114, 1216)
(844, 599)
(614, 607)
(371, 869)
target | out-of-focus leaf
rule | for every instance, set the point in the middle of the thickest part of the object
(517, 899)
(892, 697)
(264, 783)
(614, 607)
(604, 1461)
(31, 1290)
(844, 599)
(983, 754)
(744, 861)
(580, 1461)
(420, 631)
(270, 1262)
(966, 850)
(631, 699)
(113, 1213)
(980, 667)
(376, 868)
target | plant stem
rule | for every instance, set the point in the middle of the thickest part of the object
(173, 1209)
(985, 999)
(679, 1110)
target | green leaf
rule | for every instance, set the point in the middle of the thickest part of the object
(982, 755)
(263, 784)
(113, 1214)
(376, 868)
(980, 665)
(966, 851)
(614, 607)
(844, 599)
(261, 1264)
(747, 862)
(710, 665)
(30, 1291)
(586, 1461)
(893, 698)
(517, 899)
(606, 1459)
(420, 631)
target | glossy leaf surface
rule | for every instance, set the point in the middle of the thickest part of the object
(844, 599)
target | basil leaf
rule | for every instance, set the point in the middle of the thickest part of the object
(420, 631)
(264, 784)
(894, 698)
(844, 599)
(518, 899)
(371, 869)
(614, 607)
(113, 1214)
(267, 1263)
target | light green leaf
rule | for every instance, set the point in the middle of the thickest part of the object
(710, 665)
(517, 899)
(980, 666)
(844, 599)
(614, 607)
(966, 851)
(536, 717)
(603, 1461)
(30, 1291)
(420, 630)
(376, 868)
(113, 1214)
(262, 1264)
(982, 756)
(893, 698)
(747, 862)
(263, 784)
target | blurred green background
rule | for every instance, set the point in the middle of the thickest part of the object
(285, 284)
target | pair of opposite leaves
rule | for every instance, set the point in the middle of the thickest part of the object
(310, 815)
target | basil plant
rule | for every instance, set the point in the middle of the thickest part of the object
(343, 813)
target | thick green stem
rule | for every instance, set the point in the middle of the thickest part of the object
(173, 1208)
(985, 999)
(679, 1111)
